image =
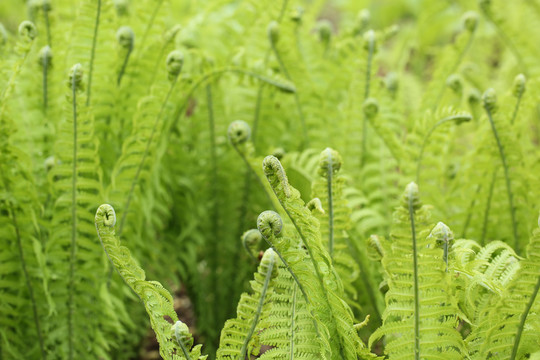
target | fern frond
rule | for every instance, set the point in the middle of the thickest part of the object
(331, 308)
(238, 338)
(289, 329)
(509, 330)
(157, 300)
(328, 187)
(420, 319)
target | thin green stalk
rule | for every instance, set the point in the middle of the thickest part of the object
(124, 65)
(93, 53)
(488, 206)
(247, 176)
(516, 108)
(257, 116)
(469, 214)
(47, 25)
(184, 349)
(293, 323)
(416, 285)
(507, 180)
(264, 289)
(371, 50)
(523, 319)
(150, 23)
(214, 258)
(24, 269)
(72, 258)
(329, 174)
(143, 158)
(45, 82)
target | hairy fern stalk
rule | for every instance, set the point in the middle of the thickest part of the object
(308, 179)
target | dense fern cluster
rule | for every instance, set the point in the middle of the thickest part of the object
(166, 111)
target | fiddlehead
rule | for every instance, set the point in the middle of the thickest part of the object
(269, 224)
(238, 132)
(174, 62)
(251, 240)
(276, 174)
(444, 238)
(27, 30)
(315, 205)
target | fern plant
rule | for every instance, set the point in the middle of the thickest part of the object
(165, 110)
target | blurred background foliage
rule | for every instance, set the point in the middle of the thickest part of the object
(196, 196)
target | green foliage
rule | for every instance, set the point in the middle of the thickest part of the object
(165, 110)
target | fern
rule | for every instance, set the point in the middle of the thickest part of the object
(417, 301)
(344, 340)
(509, 330)
(157, 300)
(238, 338)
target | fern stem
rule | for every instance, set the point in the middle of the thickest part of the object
(416, 290)
(73, 254)
(293, 324)
(507, 180)
(457, 118)
(184, 350)
(470, 212)
(264, 289)
(516, 108)
(93, 53)
(45, 82)
(371, 49)
(47, 24)
(143, 158)
(150, 23)
(247, 176)
(24, 269)
(257, 116)
(330, 172)
(488, 206)
(214, 258)
(124, 65)
(523, 319)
